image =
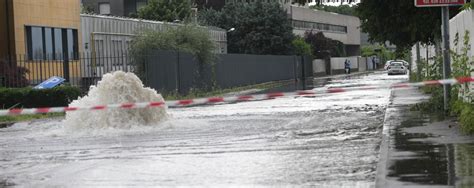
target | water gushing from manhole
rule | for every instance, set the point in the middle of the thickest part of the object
(116, 88)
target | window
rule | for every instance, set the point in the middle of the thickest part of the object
(104, 8)
(45, 43)
(58, 44)
(319, 26)
(72, 44)
(35, 43)
(48, 43)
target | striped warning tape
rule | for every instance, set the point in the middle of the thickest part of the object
(215, 100)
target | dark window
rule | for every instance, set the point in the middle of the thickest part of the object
(58, 44)
(35, 43)
(72, 43)
(45, 43)
(48, 43)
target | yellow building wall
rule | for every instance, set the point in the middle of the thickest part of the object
(46, 13)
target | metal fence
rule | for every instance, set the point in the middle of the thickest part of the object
(181, 72)
(166, 71)
(81, 70)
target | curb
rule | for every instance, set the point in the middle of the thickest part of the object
(381, 171)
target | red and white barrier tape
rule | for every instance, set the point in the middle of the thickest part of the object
(215, 100)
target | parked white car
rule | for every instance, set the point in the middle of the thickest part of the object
(389, 62)
(396, 68)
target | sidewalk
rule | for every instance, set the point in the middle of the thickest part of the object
(422, 150)
(345, 75)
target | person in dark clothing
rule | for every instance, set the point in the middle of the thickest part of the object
(347, 66)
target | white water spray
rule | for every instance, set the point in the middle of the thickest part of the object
(116, 88)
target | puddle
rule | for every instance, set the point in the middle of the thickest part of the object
(429, 150)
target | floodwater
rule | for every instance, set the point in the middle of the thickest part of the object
(430, 150)
(327, 140)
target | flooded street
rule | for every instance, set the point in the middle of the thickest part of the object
(326, 140)
(423, 148)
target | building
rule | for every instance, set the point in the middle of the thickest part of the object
(339, 27)
(39, 30)
(130, 7)
(108, 36)
(114, 7)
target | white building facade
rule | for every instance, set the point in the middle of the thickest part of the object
(339, 27)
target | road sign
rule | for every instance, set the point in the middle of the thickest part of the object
(438, 3)
(50, 83)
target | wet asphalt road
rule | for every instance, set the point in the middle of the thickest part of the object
(327, 140)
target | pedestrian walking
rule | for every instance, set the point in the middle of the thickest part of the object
(347, 66)
(373, 63)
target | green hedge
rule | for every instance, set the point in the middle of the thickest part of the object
(31, 98)
(465, 111)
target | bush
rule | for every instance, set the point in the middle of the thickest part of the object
(466, 118)
(323, 46)
(33, 98)
(301, 47)
(192, 39)
(13, 76)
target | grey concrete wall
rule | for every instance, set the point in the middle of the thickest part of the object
(338, 62)
(362, 63)
(242, 69)
(319, 67)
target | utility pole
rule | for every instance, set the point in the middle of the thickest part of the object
(446, 55)
(427, 61)
(418, 58)
(445, 32)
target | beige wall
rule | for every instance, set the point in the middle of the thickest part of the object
(47, 13)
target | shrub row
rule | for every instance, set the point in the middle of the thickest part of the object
(32, 98)
(462, 110)
(465, 111)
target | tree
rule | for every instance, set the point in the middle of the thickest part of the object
(192, 39)
(301, 47)
(323, 46)
(468, 6)
(400, 22)
(86, 9)
(260, 28)
(165, 10)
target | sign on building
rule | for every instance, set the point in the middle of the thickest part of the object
(50, 83)
(437, 3)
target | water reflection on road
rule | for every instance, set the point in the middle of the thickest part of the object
(430, 150)
(327, 140)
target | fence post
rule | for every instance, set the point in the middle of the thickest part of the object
(178, 75)
(295, 67)
(303, 75)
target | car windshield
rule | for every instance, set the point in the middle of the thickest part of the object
(397, 64)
